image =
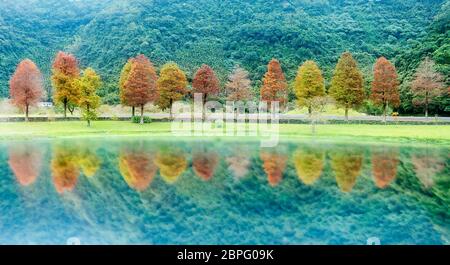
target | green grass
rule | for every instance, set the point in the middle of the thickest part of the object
(351, 132)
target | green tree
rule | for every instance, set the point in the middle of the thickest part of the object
(347, 83)
(309, 84)
(89, 101)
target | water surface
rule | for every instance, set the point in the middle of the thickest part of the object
(131, 191)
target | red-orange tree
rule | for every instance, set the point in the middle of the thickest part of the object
(274, 164)
(204, 163)
(26, 86)
(25, 162)
(137, 168)
(274, 87)
(140, 86)
(385, 85)
(205, 82)
(64, 73)
(384, 166)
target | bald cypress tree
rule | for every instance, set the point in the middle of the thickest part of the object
(274, 84)
(347, 84)
(309, 84)
(384, 90)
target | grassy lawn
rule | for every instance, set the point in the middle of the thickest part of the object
(351, 132)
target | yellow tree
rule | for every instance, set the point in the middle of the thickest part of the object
(88, 161)
(172, 86)
(309, 84)
(64, 73)
(64, 167)
(347, 165)
(124, 75)
(171, 164)
(347, 83)
(309, 164)
(89, 101)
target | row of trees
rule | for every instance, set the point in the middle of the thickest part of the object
(71, 88)
(140, 84)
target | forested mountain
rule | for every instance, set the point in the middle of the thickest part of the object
(103, 34)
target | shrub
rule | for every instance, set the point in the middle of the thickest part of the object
(137, 119)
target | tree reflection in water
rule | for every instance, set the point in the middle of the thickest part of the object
(239, 162)
(205, 162)
(171, 163)
(346, 164)
(274, 164)
(309, 163)
(427, 164)
(65, 170)
(137, 167)
(384, 165)
(25, 161)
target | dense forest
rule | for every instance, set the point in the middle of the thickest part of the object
(103, 34)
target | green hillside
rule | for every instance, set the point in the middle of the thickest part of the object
(105, 33)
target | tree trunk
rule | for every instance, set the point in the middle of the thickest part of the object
(426, 106)
(309, 110)
(142, 114)
(26, 113)
(88, 117)
(65, 109)
(71, 109)
(203, 107)
(133, 111)
(346, 114)
(384, 112)
(170, 110)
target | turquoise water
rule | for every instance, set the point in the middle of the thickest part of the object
(129, 191)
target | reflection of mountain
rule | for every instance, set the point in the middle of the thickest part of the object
(25, 161)
(426, 166)
(137, 168)
(309, 164)
(239, 163)
(347, 166)
(64, 168)
(384, 166)
(171, 164)
(274, 164)
(88, 161)
(204, 163)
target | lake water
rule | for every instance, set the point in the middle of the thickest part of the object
(131, 191)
